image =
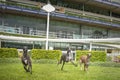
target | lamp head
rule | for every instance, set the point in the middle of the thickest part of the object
(48, 7)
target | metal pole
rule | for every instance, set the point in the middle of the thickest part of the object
(33, 44)
(90, 46)
(0, 43)
(47, 33)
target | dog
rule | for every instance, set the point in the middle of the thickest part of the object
(85, 59)
(26, 61)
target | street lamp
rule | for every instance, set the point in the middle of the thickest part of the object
(48, 8)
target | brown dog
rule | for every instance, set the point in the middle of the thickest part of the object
(85, 59)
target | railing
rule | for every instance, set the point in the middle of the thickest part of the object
(92, 17)
(54, 35)
(85, 19)
(20, 5)
(109, 2)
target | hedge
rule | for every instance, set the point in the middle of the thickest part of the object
(45, 54)
(96, 55)
(8, 53)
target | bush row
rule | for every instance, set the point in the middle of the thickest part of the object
(51, 54)
(45, 54)
(96, 55)
(8, 53)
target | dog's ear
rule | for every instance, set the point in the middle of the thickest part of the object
(25, 48)
(89, 54)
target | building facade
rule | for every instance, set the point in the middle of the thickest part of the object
(79, 19)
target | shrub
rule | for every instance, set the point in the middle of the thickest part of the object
(109, 58)
(96, 55)
(45, 54)
(8, 52)
(20, 54)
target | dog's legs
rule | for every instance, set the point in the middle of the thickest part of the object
(25, 67)
(30, 68)
(84, 67)
(59, 62)
(73, 63)
(87, 66)
(80, 62)
(63, 65)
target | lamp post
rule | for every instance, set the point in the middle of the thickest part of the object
(48, 8)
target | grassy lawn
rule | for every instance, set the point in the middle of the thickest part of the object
(48, 70)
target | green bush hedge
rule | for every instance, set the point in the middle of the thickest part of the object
(8, 53)
(45, 54)
(96, 55)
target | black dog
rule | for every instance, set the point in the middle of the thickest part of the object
(65, 58)
(26, 61)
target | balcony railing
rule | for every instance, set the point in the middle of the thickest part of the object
(67, 15)
(109, 2)
(91, 16)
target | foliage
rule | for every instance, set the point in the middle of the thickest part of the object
(45, 54)
(8, 52)
(118, 57)
(20, 54)
(96, 55)
(109, 58)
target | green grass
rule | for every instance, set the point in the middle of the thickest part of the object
(47, 70)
